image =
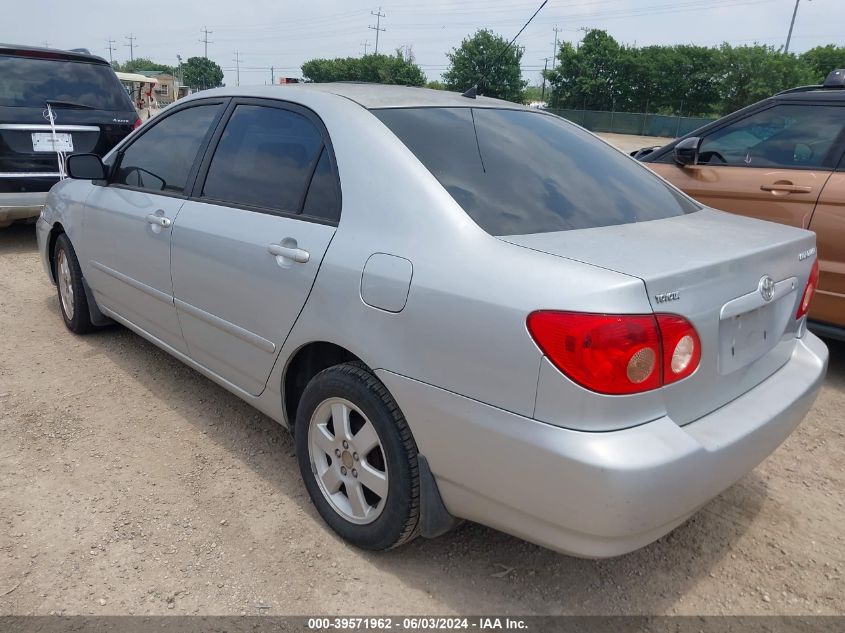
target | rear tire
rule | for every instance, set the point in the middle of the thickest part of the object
(358, 458)
(68, 275)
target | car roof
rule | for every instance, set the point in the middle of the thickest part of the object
(49, 53)
(374, 95)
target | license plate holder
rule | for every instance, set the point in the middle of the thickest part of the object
(43, 142)
(748, 336)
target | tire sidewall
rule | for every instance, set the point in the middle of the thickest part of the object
(78, 323)
(387, 530)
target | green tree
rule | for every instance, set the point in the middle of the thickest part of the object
(591, 76)
(142, 63)
(202, 73)
(823, 59)
(383, 69)
(483, 60)
(751, 73)
(435, 85)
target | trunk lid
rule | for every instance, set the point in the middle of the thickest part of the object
(707, 267)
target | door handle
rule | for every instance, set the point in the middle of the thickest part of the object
(159, 220)
(786, 188)
(293, 253)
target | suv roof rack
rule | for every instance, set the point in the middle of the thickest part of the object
(834, 81)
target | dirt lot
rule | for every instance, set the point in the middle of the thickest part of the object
(131, 484)
(629, 142)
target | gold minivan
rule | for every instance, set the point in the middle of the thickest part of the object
(781, 160)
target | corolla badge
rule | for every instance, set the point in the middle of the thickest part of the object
(767, 288)
(50, 116)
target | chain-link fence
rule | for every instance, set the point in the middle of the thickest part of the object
(633, 122)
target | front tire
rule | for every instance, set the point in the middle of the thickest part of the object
(358, 458)
(72, 300)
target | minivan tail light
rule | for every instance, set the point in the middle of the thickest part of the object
(617, 354)
(809, 290)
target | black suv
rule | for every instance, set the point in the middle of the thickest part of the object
(91, 112)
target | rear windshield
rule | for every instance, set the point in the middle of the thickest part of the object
(30, 82)
(517, 172)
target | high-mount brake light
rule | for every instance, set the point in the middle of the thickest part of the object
(809, 291)
(617, 354)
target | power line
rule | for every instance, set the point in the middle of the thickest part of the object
(131, 37)
(379, 15)
(112, 48)
(205, 39)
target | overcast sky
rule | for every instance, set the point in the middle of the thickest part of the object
(283, 33)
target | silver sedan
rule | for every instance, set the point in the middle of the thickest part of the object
(462, 308)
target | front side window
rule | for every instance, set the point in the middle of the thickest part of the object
(265, 159)
(781, 136)
(516, 172)
(161, 159)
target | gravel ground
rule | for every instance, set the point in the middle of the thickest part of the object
(130, 484)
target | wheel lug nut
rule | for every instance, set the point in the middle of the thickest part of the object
(355, 456)
(354, 473)
(337, 452)
(345, 444)
(343, 470)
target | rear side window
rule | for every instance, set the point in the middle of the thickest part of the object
(322, 200)
(265, 159)
(30, 82)
(161, 159)
(781, 136)
(516, 172)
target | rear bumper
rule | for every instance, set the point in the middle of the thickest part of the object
(600, 494)
(20, 206)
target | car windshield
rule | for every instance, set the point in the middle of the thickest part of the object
(31, 82)
(517, 172)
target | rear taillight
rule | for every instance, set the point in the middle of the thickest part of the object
(137, 123)
(617, 353)
(809, 291)
(681, 347)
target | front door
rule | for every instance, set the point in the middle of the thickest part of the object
(128, 222)
(771, 165)
(248, 244)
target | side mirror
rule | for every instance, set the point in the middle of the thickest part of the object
(686, 152)
(86, 167)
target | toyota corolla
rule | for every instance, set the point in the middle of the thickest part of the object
(461, 308)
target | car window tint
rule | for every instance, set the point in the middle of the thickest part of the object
(30, 82)
(162, 157)
(264, 159)
(321, 201)
(517, 172)
(780, 136)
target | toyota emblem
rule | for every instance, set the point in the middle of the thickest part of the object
(767, 288)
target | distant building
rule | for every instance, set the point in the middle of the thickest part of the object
(169, 88)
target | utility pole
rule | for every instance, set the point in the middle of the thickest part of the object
(205, 39)
(545, 68)
(379, 15)
(554, 53)
(111, 50)
(365, 44)
(46, 44)
(272, 75)
(791, 24)
(131, 46)
(237, 61)
(179, 69)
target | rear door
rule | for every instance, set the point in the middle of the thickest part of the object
(829, 224)
(91, 112)
(770, 165)
(248, 244)
(128, 222)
